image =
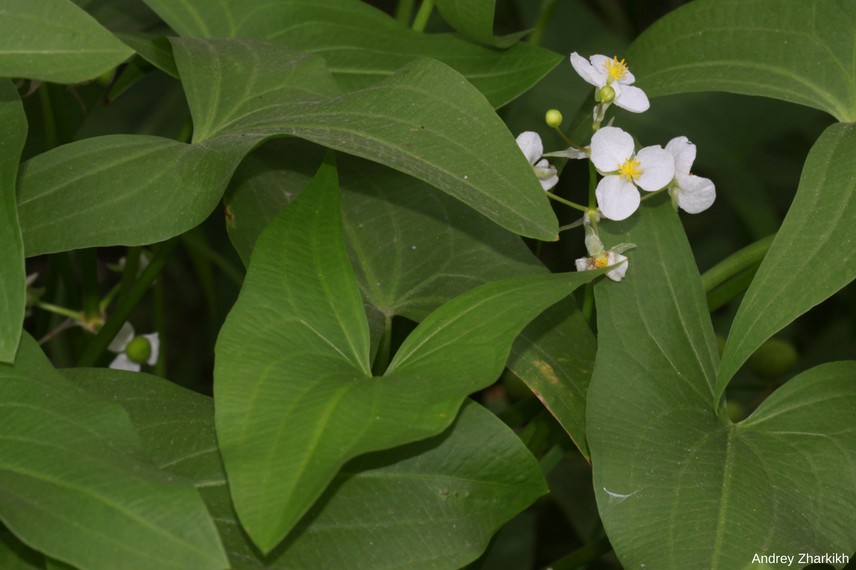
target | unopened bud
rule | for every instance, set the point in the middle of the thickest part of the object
(773, 359)
(553, 118)
(605, 94)
(139, 350)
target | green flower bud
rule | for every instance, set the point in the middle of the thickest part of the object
(605, 94)
(139, 350)
(773, 359)
(553, 118)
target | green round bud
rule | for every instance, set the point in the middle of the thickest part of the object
(736, 411)
(605, 94)
(553, 118)
(773, 359)
(139, 350)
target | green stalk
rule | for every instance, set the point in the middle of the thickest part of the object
(126, 304)
(49, 126)
(544, 17)
(91, 294)
(582, 557)
(423, 15)
(732, 276)
(160, 327)
(561, 200)
(404, 11)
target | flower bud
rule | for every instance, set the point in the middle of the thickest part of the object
(773, 359)
(605, 94)
(139, 350)
(553, 118)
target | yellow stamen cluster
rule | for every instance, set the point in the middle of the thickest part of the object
(616, 69)
(600, 261)
(630, 170)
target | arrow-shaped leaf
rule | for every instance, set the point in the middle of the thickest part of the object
(295, 396)
(709, 494)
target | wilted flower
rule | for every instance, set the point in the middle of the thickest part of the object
(530, 143)
(599, 257)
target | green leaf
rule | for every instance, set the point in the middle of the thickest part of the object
(15, 555)
(809, 260)
(13, 132)
(447, 137)
(120, 190)
(54, 40)
(666, 460)
(554, 356)
(475, 19)
(295, 395)
(433, 504)
(413, 249)
(77, 487)
(360, 43)
(787, 49)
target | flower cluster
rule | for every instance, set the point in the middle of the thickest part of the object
(626, 172)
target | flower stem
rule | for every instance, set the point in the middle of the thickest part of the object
(91, 294)
(423, 15)
(565, 202)
(57, 310)
(592, 196)
(126, 304)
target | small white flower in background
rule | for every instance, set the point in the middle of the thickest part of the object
(690, 193)
(651, 169)
(530, 143)
(603, 72)
(599, 257)
(132, 350)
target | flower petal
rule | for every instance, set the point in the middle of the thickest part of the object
(154, 341)
(658, 168)
(684, 152)
(610, 147)
(530, 143)
(569, 152)
(587, 71)
(695, 194)
(583, 264)
(619, 272)
(122, 362)
(631, 98)
(122, 338)
(617, 198)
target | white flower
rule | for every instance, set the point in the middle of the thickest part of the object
(690, 193)
(530, 143)
(600, 257)
(651, 169)
(143, 348)
(601, 72)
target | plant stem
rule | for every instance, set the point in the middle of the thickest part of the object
(735, 263)
(57, 310)
(566, 202)
(423, 15)
(48, 120)
(544, 17)
(581, 557)
(404, 11)
(126, 304)
(592, 196)
(91, 294)
(733, 275)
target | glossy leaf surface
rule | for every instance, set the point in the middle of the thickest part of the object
(54, 40)
(77, 487)
(296, 398)
(432, 504)
(360, 43)
(811, 257)
(13, 131)
(664, 458)
(797, 51)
